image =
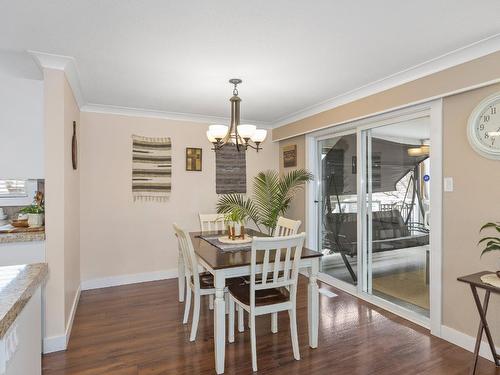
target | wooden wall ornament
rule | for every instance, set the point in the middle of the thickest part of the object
(194, 159)
(230, 170)
(74, 148)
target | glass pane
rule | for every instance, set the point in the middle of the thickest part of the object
(338, 206)
(398, 177)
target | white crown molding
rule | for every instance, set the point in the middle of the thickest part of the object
(140, 112)
(448, 60)
(66, 64)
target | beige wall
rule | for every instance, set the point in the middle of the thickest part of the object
(297, 209)
(54, 201)
(71, 205)
(120, 237)
(476, 198)
(472, 73)
(474, 201)
(61, 203)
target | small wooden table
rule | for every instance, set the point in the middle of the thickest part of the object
(226, 264)
(475, 282)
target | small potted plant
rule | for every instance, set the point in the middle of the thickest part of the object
(35, 211)
(235, 221)
(492, 243)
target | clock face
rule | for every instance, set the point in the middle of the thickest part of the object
(484, 127)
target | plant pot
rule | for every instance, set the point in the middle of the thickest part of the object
(35, 220)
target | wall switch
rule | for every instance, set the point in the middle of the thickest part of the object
(448, 184)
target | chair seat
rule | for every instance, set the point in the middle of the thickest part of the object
(207, 280)
(263, 297)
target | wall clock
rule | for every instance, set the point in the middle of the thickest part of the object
(483, 128)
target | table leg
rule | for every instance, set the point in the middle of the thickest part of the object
(219, 322)
(181, 278)
(482, 310)
(313, 304)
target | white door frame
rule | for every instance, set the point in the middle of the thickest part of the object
(433, 109)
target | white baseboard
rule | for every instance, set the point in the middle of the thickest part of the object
(58, 343)
(54, 344)
(106, 282)
(465, 341)
(69, 326)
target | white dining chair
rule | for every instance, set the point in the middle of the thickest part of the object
(274, 291)
(211, 222)
(284, 227)
(198, 284)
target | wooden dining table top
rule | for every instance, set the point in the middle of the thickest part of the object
(219, 259)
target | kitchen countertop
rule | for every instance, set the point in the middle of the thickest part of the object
(9, 234)
(17, 285)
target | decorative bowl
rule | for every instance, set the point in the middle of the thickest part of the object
(20, 223)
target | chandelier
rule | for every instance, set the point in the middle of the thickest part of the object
(242, 136)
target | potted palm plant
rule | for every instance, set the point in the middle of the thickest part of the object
(271, 197)
(491, 243)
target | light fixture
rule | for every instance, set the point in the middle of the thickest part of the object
(242, 136)
(422, 150)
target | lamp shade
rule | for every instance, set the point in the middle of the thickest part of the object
(210, 137)
(217, 131)
(259, 135)
(246, 131)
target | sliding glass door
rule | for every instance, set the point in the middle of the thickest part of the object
(373, 210)
(338, 206)
(397, 190)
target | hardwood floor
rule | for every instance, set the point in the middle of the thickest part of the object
(137, 329)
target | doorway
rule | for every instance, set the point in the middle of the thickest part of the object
(370, 209)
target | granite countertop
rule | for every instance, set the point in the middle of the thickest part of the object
(17, 285)
(20, 235)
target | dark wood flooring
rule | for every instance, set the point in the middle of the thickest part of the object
(137, 329)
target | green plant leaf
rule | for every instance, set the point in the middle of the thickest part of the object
(496, 239)
(490, 248)
(490, 225)
(238, 207)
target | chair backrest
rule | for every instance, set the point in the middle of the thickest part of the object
(211, 222)
(190, 258)
(274, 249)
(286, 227)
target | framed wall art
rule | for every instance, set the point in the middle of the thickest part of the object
(193, 159)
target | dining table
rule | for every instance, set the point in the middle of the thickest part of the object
(224, 264)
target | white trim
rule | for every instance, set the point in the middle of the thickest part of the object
(433, 110)
(54, 344)
(467, 342)
(446, 61)
(105, 282)
(69, 326)
(66, 64)
(151, 113)
(58, 343)
(436, 218)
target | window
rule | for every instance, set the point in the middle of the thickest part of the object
(13, 188)
(17, 192)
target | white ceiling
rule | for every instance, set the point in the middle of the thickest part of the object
(177, 56)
